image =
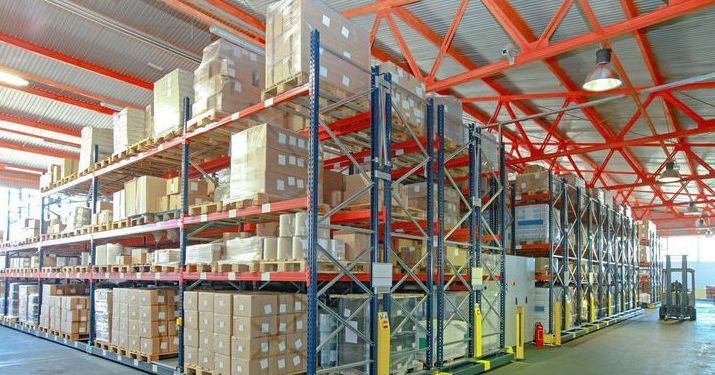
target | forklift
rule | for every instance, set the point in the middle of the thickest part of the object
(679, 301)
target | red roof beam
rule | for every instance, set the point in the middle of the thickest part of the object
(238, 13)
(376, 7)
(46, 52)
(37, 150)
(74, 90)
(664, 13)
(38, 133)
(65, 99)
(13, 179)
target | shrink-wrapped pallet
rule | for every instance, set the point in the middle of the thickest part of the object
(129, 126)
(102, 138)
(103, 314)
(268, 162)
(345, 48)
(169, 94)
(208, 253)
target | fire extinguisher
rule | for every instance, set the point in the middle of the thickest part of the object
(539, 335)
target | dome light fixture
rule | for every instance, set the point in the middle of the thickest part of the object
(602, 77)
(670, 174)
(692, 210)
(12, 79)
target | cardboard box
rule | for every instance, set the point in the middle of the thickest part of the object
(155, 345)
(355, 244)
(91, 137)
(206, 302)
(250, 348)
(270, 161)
(191, 355)
(129, 127)
(222, 363)
(223, 303)
(191, 300)
(255, 326)
(206, 359)
(206, 321)
(169, 94)
(346, 46)
(255, 304)
(206, 340)
(261, 366)
(532, 224)
(142, 195)
(222, 323)
(191, 319)
(222, 343)
(191, 338)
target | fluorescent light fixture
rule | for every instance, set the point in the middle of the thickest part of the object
(12, 79)
(602, 77)
(692, 210)
(670, 174)
(23, 170)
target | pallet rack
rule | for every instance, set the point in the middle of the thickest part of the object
(651, 271)
(390, 163)
(592, 249)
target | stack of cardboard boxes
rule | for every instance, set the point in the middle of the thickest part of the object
(91, 137)
(129, 127)
(229, 79)
(200, 191)
(417, 199)
(169, 94)
(27, 299)
(268, 162)
(64, 309)
(345, 48)
(245, 333)
(103, 315)
(30, 228)
(144, 320)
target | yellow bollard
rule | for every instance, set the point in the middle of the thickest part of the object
(477, 339)
(383, 344)
(519, 352)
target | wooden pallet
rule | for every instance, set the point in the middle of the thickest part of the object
(140, 268)
(102, 345)
(195, 370)
(124, 268)
(233, 267)
(164, 268)
(167, 215)
(28, 325)
(205, 208)
(10, 319)
(201, 268)
(142, 219)
(147, 357)
(120, 224)
(101, 268)
(301, 265)
(205, 118)
(68, 269)
(118, 350)
(258, 200)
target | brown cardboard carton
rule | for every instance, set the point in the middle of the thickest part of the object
(222, 344)
(206, 302)
(296, 342)
(222, 364)
(355, 243)
(286, 324)
(254, 304)
(206, 359)
(143, 195)
(255, 326)
(191, 319)
(279, 345)
(206, 340)
(191, 356)
(280, 362)
(296, 362)
(134, 343)
(152, 296)
(250, 348)
(191, 338)
(260, 366)
(155, 345)
(222, 323)
(206, 321)
(286, 303)
(223, 303)
(191, 300)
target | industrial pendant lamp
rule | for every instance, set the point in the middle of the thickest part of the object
(670, 174)
(12, 79)
(602, 77)
(692, 210)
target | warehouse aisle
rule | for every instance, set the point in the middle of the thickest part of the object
(640, 346)
(21, 353)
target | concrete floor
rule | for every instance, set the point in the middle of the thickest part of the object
(639, 346)
(21, 353)
(643, 345)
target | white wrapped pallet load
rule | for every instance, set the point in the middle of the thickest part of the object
(244, 250)
(345, 48)
(208, 253)
(129, 126)
(103, 314)
(102, 138)
(169, 94)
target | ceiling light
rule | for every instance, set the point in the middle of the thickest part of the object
(692, 210)
(12, 79)
(670, 174)
(602, 77)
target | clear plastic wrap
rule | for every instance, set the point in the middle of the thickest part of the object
(208, 253)
(26, 313)
(270, 161)
(103, 314)
(244, 250)
(129, 126)
(102, 138)
(345, 48)
(169, 93)
(165, 257)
